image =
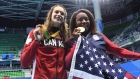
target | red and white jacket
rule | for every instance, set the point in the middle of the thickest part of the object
(48, 57)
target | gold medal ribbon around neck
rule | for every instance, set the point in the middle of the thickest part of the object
(48, 35)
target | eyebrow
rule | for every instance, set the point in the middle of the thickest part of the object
(59, 11)
(82, 17)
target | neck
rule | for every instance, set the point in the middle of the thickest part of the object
(55, 24)
(54, 29)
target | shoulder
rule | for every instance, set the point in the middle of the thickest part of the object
(30, 35)
(31, 32)
(99, 34)
(102, 35)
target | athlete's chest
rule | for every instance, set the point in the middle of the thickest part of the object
(52, 42)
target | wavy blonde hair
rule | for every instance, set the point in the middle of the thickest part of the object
(72, 24)
(63, 26)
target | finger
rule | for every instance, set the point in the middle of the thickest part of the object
(37, 29)
(39, 25)
(79, 33)
(76, 30)
(42, 35)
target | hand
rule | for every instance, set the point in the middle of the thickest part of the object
(38, 36)
(76, 33)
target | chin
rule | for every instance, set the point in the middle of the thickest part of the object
(86, 28)
(57, 23)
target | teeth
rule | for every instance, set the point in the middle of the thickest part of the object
(58, 18)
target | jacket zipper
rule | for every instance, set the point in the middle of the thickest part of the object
(57, 61)
(57, 66)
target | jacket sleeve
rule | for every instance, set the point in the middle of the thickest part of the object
(121, 52)
(70, 46)
(29, 51)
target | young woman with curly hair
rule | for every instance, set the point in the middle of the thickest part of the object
(45, 47)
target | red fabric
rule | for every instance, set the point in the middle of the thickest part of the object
(76, 78)
(49, 59)
(6, 77)
(129, 76)
(69, 56)
(124, 53)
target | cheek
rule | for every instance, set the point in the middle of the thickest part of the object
(89, 23)
(88, 27)
(52, 17)
(77, 22)
(63, 18)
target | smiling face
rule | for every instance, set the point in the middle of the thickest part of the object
(58, 15)
(82, 20)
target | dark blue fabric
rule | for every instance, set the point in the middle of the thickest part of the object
(98, 43)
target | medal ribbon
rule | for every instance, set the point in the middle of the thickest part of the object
(48, 36)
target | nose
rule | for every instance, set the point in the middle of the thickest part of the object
(83, 20)
(59, 13)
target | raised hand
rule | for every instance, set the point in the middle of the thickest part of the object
(76, 33)
(37, 35)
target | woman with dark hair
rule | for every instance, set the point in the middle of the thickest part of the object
(44, 46)
(87, 31)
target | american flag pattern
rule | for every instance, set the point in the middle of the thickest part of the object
(89, 62)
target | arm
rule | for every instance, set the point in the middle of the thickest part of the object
(70, 46)
(29, 50)
(114, 49)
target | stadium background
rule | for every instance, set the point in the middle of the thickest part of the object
(121, 21)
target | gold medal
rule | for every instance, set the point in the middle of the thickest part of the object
(43, 29)
(82, 29)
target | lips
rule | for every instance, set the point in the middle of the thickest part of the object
(58, 18)
(84, 25)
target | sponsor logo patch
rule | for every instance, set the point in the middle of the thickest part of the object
(95, 37)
